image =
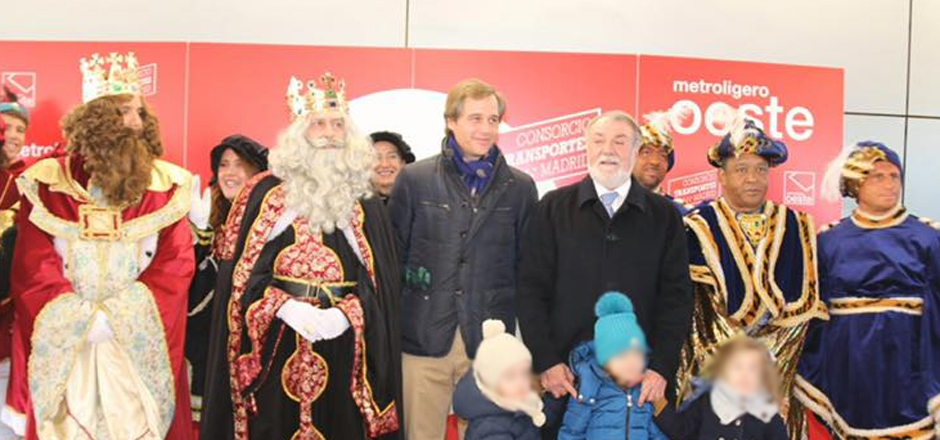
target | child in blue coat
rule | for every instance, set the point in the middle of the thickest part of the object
(610, 370)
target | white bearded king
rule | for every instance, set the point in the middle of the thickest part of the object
(312, 348)
(324, 176)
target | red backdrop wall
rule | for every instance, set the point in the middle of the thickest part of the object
(204, 92)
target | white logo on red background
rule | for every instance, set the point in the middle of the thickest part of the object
(549, 150)
(147, 78)
(695, 188)
(799, 188)
(23, 84)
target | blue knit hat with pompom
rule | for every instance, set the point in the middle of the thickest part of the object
(616, 330)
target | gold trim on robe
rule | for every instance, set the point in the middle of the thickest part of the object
(819, 404)
(859, 305)
(713, 323)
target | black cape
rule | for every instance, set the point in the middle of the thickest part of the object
(333, 413)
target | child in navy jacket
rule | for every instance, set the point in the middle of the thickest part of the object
(742, 402)
(496, 395)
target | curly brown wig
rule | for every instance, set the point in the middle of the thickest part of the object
(118, 159)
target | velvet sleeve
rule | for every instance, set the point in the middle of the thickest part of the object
(38, 273)
(36, 278)
(930, 324)
(168, 278)
(682, 424)
(374, 315)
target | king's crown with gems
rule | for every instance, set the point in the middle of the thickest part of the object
(308, 98)
(115, 76)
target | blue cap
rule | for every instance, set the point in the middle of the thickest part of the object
(748, 139)
(861, 161)
(616, 329)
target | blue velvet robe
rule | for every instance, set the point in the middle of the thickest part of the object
(768, 291)
(873, 370)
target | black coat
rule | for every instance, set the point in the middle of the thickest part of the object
(574, 252)
(699, 422)
(459, 252)
(487, 421)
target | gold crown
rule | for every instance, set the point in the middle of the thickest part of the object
(308, 98)
(119, 78)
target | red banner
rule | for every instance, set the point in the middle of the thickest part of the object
(204, 92)
(801, 106)
(49, 82)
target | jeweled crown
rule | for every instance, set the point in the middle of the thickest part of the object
(115, 76)
(309, 98)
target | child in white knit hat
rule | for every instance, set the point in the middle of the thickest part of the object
(496, 395)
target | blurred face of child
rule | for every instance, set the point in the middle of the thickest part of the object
(627, 368)
(516, 383)
(744, 372)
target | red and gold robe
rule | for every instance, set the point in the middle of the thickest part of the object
(9, 198)
(280, 386)
(77, 256)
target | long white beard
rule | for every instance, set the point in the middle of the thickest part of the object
(323, 181)
(609, 181)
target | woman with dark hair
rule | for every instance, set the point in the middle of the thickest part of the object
(234, 161)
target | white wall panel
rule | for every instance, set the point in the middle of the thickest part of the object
(922, 181)
(887, 130)
(867, 38)
(925, 58)
(346, 22)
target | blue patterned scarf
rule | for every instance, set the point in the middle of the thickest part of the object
(477, 173)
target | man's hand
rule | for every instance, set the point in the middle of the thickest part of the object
(653, 389)
(559, 381)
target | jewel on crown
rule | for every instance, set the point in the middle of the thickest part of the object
(309, 98)
(120, 77)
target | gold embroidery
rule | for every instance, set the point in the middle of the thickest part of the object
(99, 223)
(754, 227)
(7, 218)
(817, 402)
(132, 230)
(713, 323)
(857, 305)
(893, 218)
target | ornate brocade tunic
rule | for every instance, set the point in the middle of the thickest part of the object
(78, 256)
(280, 384)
